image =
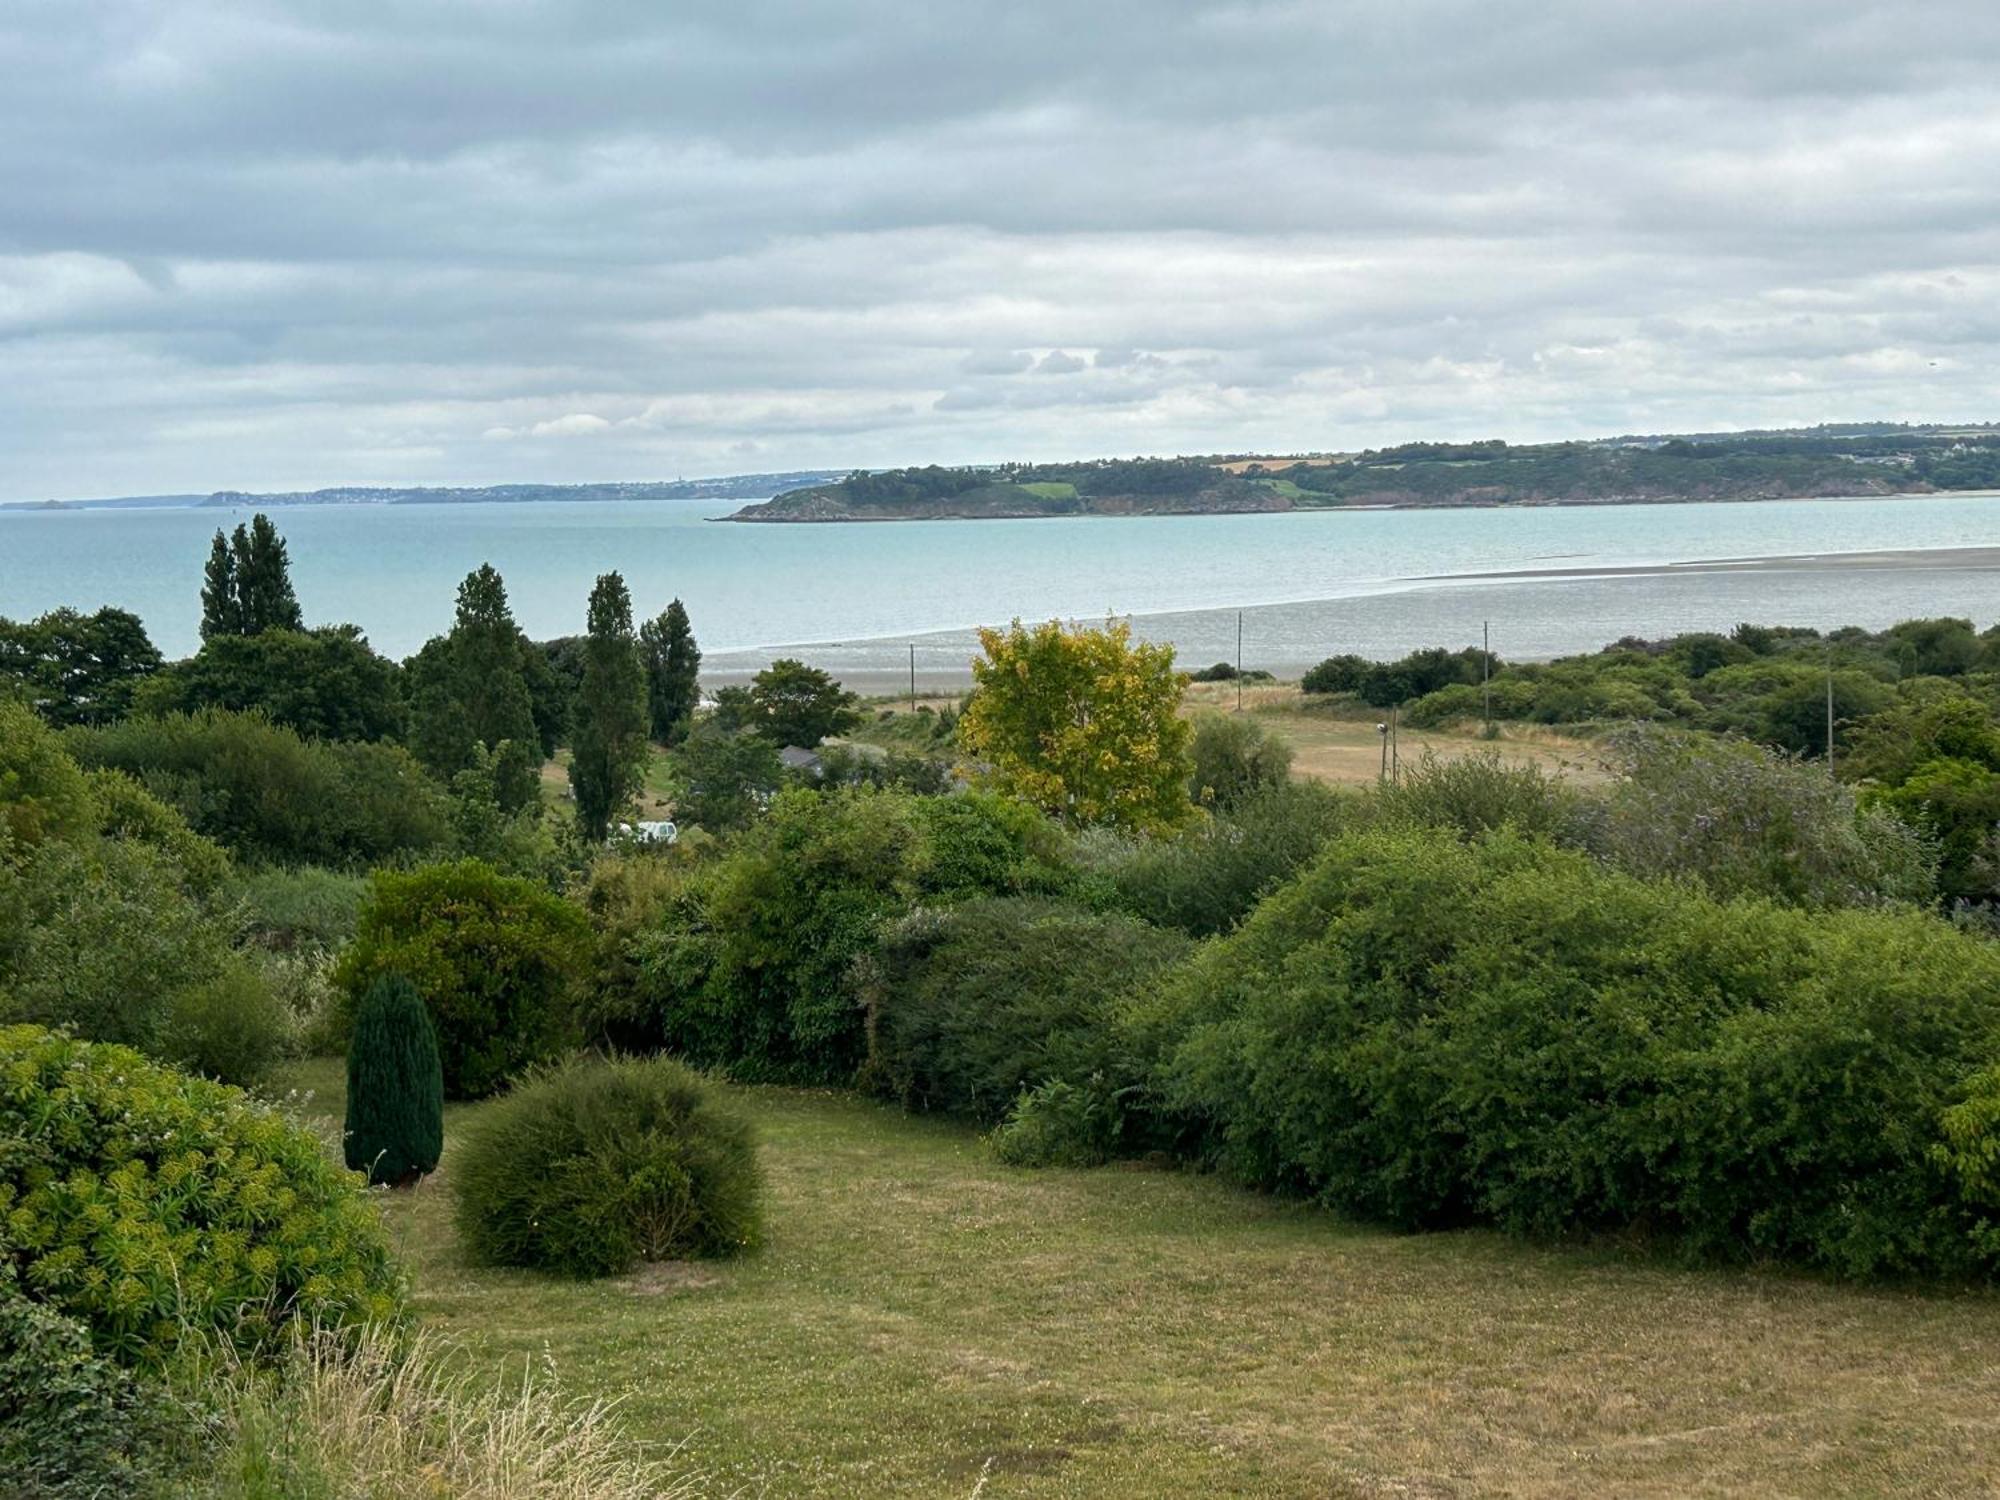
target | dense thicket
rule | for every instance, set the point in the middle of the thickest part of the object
(968, 1006)
(323, 684)
(269, 796)
(1429, 1030)
(114, 919)
(749, 962)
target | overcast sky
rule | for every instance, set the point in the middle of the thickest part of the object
(270, 245)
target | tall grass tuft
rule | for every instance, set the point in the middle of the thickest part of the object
(372, 1416)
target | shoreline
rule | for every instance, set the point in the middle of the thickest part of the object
(749, 517)
(879, 665)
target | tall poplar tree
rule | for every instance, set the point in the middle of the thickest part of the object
(608, 739)
(221, 608)
(471, 694)
(673, 673)
(247, 584)
(264, 579)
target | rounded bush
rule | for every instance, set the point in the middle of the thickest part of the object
(150, 1205)
(495, 958)
(591, 1167)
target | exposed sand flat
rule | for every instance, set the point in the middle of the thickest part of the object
(1960, 558)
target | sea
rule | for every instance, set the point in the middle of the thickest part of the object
(875, 601)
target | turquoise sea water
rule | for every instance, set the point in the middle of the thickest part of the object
(1311, 582)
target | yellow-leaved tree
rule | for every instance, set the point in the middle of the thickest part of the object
(1082, 723)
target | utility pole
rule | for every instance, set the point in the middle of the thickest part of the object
(1486, 672)
(1382, 729)
(1395, 749)
(913, 676)
(1239, 661)
(1829, 710)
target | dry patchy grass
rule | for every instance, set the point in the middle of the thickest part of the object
(925, 1322)
(1342, 745)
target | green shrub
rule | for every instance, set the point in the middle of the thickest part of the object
(1473, 794)
(495, 958)
(1744, 821)
(1059, 1123)
(73, 1424)
(101, 936)
(1206, 880)
(591, 1167)
(395, 1086)
(1431, 1032)
(1234, 757)
(231, 1026)
(153, 1207)
(748, 961)
(968, 1007)
(306, 907)
(271, 797)
(979, 843)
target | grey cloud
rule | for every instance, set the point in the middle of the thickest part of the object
(289, 242)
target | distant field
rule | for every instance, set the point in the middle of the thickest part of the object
(1273, 465)
(1342, 749)
(1348, 750)
(925, 1322)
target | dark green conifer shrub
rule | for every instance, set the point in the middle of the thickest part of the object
(152, 1206)
(395, 1086)
(589, 1168)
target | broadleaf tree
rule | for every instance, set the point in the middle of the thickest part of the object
(1082, 723)
(247, 583)
(794, 704)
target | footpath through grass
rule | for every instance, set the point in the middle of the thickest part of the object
(923, 1319)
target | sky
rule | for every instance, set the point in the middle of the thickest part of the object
(278, 244)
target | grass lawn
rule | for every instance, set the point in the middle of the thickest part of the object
(925, 1322)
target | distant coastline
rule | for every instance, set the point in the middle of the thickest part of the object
(726, 487)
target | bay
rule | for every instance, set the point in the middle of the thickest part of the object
(851, 596)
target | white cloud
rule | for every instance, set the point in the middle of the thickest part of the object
(576, 424)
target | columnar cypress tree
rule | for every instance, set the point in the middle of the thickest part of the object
(608, 745)
(673, 671)
(221, 607)
(395, 1086)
